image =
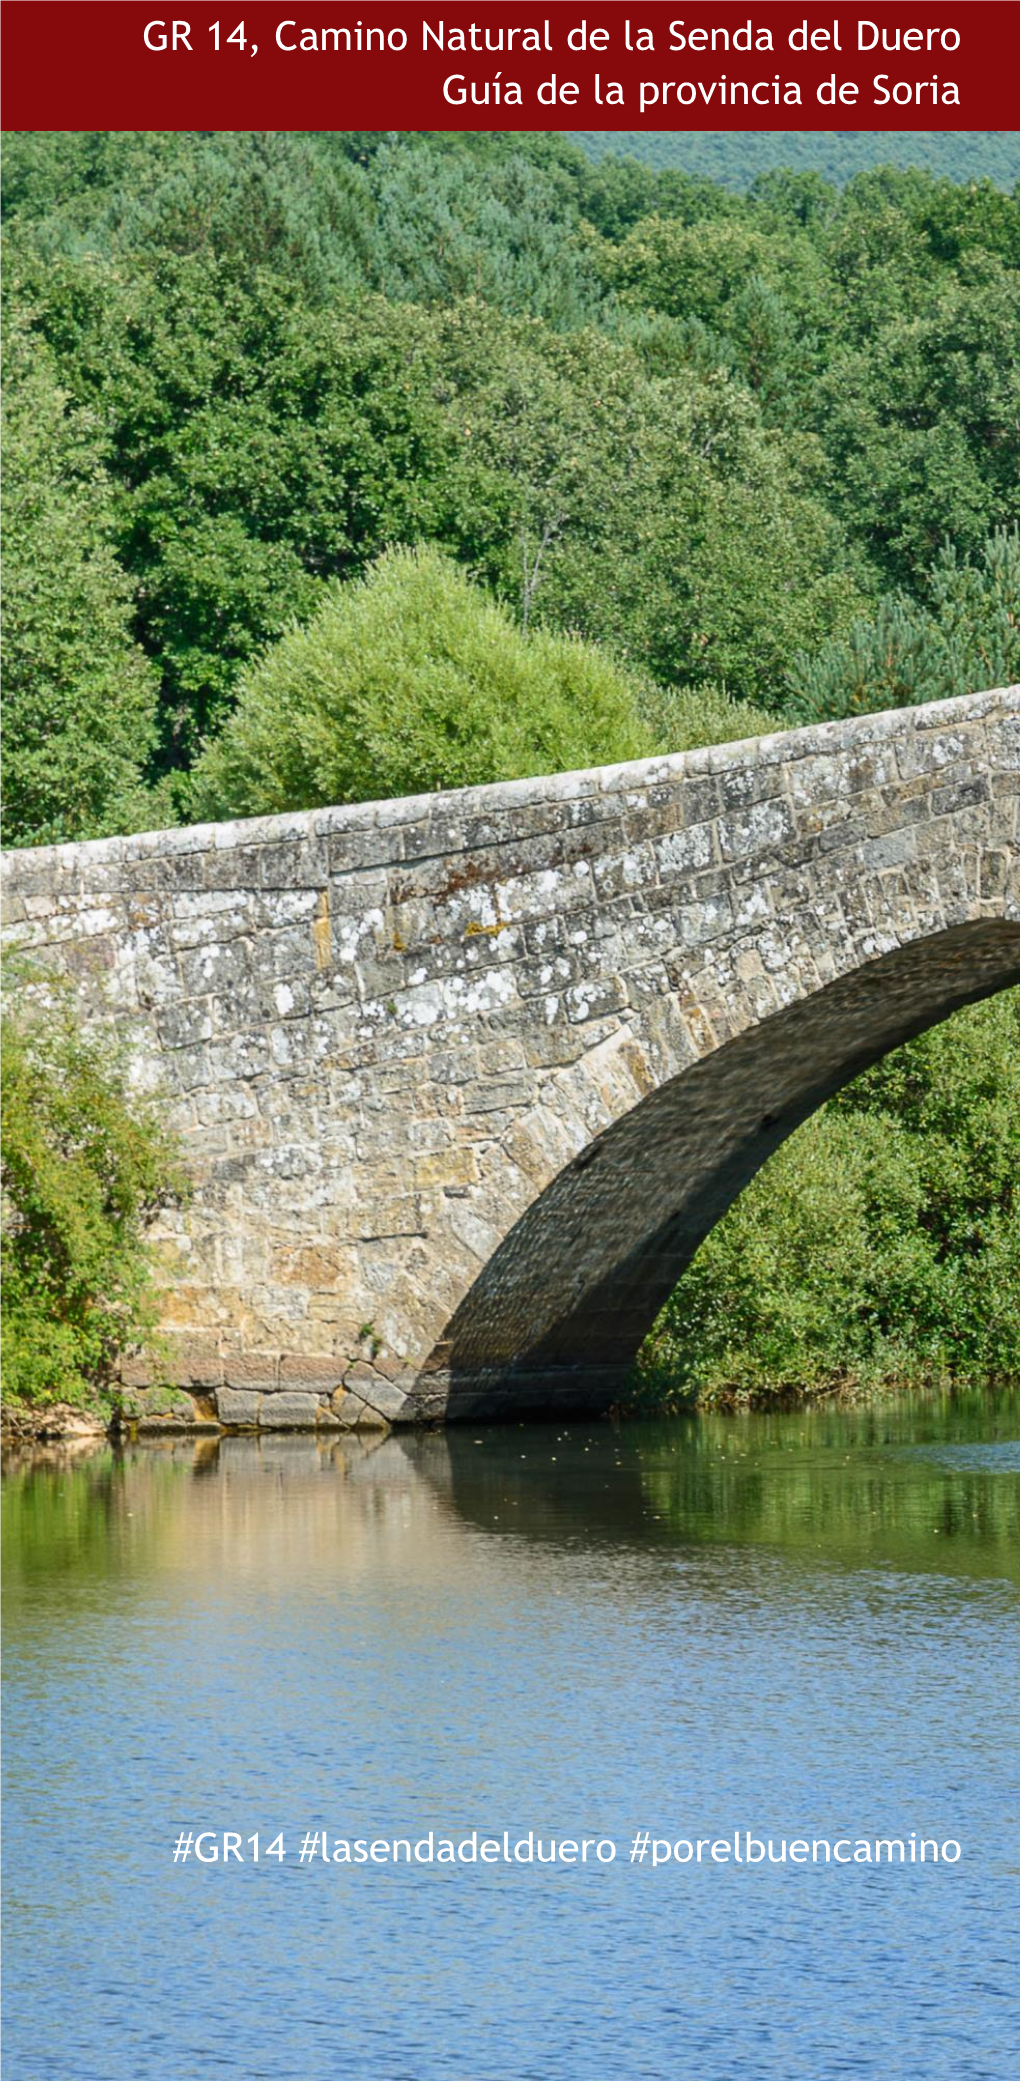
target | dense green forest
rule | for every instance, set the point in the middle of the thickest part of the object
(735, 158)
(763, 444)
(340, 465)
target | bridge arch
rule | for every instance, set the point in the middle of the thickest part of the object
(556, 1318)
(463, 1080)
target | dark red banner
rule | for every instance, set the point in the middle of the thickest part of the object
(115, 64)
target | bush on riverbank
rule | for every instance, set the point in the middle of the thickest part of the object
(881, 1243)
(86, 1164)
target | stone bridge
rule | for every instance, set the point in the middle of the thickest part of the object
(464, 1080)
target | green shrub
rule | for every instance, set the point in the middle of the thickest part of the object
(881, 1243)
(406, 681)
(683, 718)
(86, 1164)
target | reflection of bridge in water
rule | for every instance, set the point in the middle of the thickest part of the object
(465, 1080)
(822, 1488)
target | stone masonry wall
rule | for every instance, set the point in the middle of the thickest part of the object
(394, 1038)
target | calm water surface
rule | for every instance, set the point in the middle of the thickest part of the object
(801, 1625)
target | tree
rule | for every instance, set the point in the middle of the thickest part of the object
(966, 640)
(256, 448)
(683, 718)
(253, 448)
(410, 680)
(697, 270)
(80, 697)
(650, 511)
(750, 296)
(704, 429)
(86, 1165)
(922, 425)
(448, 226)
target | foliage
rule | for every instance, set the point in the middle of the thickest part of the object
(257, 448)
(400, 217)
(705, 428)
(253, 450)
(736, 158)
(682, 718)
(966, 639)
(584, 461)
(748, 296)
(921, 420)
(886, 320)
(411, 680)
(880, 1243)
(80, 698)
(86, 1164)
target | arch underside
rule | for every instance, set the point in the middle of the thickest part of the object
(554, 1321)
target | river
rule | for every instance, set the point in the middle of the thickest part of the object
(797, 1627)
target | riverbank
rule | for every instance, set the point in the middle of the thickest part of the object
(21, 1424)
(840, 1391)
(172, 1412)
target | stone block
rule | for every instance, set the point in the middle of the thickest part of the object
(169, 1412)
(250, 1369)
(371, 1419)
(238, 1406)
(194, 1361)
(288, 1412)
(310, 1375)
(385, 1397)
(136, 1372)
(347, 1408)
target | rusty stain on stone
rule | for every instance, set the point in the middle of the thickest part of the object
(322, 937)
(474, 930)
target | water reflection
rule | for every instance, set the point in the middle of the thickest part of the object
(801, 1623)
(907, 1485)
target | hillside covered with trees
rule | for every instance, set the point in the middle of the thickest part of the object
(736, 158)
(338, 465)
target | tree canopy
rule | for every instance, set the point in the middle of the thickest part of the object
(718, 433)
(79, 695)
(409, 680)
